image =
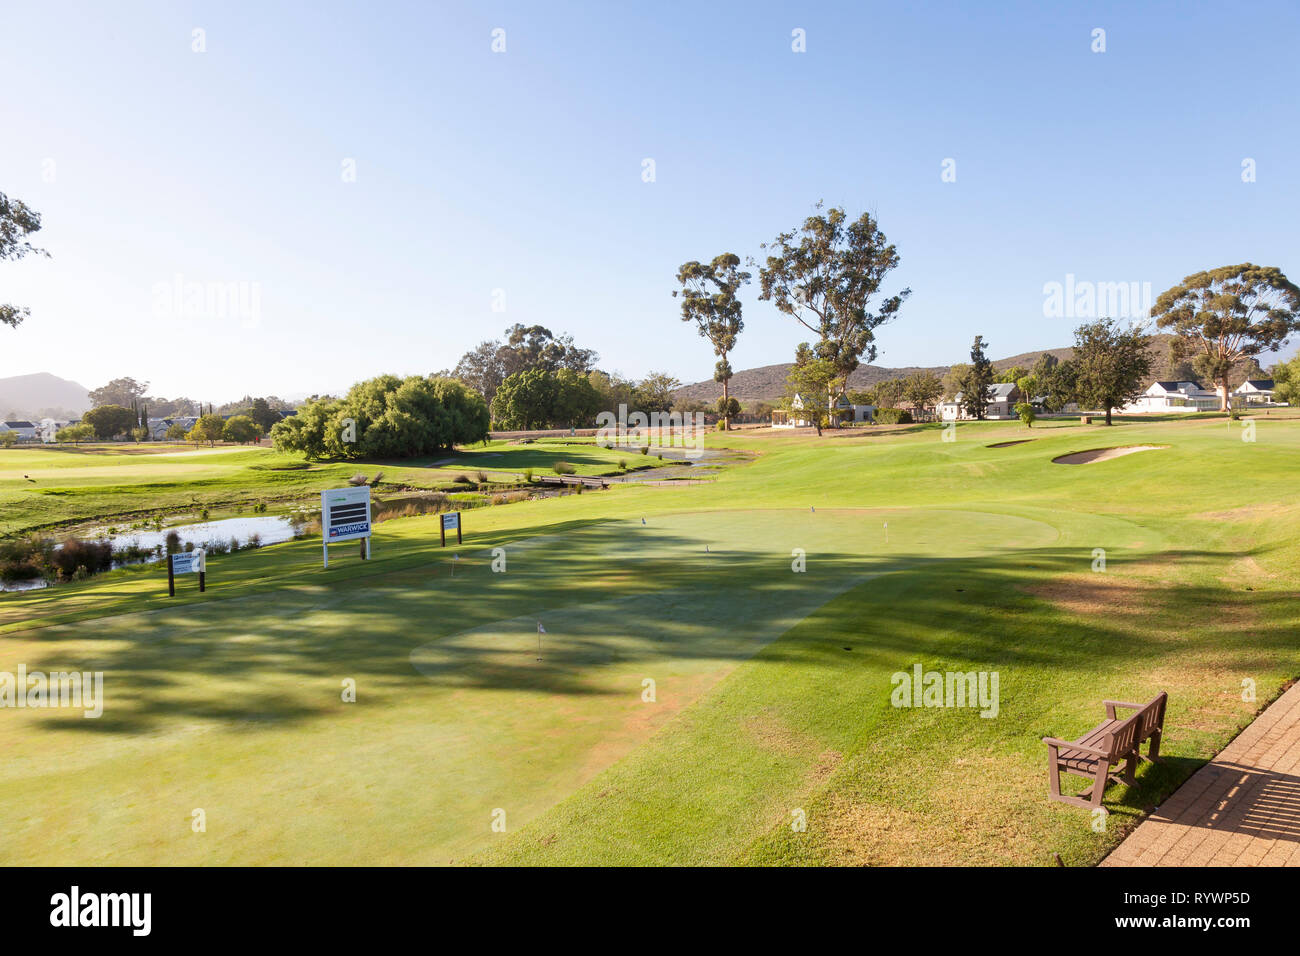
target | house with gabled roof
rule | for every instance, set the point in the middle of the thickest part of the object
(1256, 391)
(1000, 402)
(1172, 396)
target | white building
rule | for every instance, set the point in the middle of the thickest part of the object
(1173, 397)
(1256, 391)
(1000, 403)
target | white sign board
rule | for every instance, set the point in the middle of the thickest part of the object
(451, 521)
(345, 514)
(188, 562)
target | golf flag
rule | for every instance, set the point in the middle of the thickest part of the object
(540, 631)
(643, 520)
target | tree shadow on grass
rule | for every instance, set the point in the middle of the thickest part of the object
(656, 600)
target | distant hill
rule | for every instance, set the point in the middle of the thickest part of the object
(767, 384)
(42, 395)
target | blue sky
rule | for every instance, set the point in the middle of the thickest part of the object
(522, 172)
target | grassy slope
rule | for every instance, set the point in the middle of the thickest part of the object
(230, 702)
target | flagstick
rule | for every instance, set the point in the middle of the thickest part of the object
(539, 640)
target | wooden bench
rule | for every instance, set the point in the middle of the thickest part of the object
(1098, 753)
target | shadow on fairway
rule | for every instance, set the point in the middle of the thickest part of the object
(657, 598)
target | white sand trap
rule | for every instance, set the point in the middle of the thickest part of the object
(1102, 454)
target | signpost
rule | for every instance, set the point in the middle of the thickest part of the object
(345, 516)
(187, 562)
(451, 521)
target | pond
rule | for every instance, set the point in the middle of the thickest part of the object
(269, 529)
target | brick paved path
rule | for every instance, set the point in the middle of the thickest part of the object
(1241, 809)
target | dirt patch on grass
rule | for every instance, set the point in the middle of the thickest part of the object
(1090, 593)
(1008, 444)
(769, 732)
(1102, 454)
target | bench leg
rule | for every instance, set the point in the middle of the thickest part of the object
(1153, 752)
(1099, 786)
(1129, 772)
(1053, 774)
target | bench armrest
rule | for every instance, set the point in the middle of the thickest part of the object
(1124, 704)
(1071, 745)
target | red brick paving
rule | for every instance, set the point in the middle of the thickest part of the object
(1241, 809)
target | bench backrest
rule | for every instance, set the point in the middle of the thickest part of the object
(1122, 738)
(1151, 717)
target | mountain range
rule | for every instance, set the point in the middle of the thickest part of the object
(767, 383)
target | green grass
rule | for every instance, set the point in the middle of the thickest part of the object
(48, 487)
(772, 687)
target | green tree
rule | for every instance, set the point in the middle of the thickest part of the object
(953, 379)
(17, 222)
(811, 375)
(240, 429)
(208, 428)
(1009, 376)
(824, 274)
(1223, 315)
(537, 398)
(126, 392)
(889, 393)
(1054, 381)
(654, 393)
(1026, 412)
(525, 400)
(975, 384)
(109, 421)
(75, 433)
(1286, 381)
(263, 414)
(710, 299)
(175, 432)
(386, 417)
(1112, 364)
(923, 389)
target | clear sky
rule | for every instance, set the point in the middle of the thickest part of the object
(522, 171)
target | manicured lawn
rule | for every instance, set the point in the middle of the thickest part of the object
(771, 687)
(44, 487)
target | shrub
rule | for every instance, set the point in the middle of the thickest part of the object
(528, 475)
(462, 480)
(645, 449)
(622, 464)
(563, 468)
(357, 480)
(88, 556)
(481, 476)
(893, 416)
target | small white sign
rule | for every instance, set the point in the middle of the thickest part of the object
(188, 562)
(451, 521)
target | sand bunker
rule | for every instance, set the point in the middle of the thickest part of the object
(1008, 444)
(1102, 454)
